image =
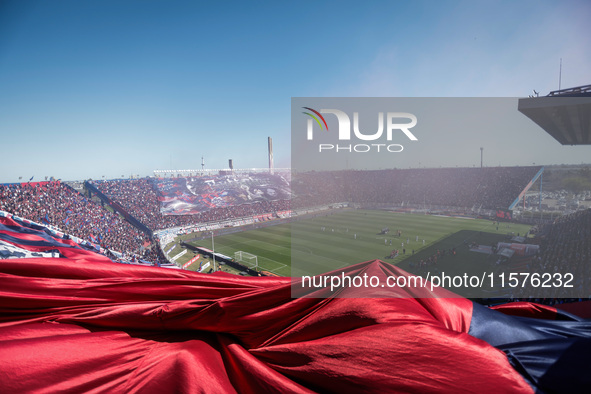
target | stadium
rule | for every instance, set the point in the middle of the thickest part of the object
(424, 273)
(232, 223)
(131, 220)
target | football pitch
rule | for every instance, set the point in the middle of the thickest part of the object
(321, 244)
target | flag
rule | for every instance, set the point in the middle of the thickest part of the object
(31, 178)
(37, 238)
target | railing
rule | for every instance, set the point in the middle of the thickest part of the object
(579, 90)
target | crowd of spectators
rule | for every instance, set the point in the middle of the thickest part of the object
(565, 247)
(487, 188)
(139, 198)
(153, 254)
(311, 189)
(58, 204)
(61, 206)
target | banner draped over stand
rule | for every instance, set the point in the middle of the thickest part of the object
(86, 324)
(192, 195)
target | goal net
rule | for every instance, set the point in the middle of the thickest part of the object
(248, 259)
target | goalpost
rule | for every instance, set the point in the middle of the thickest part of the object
(246, 258)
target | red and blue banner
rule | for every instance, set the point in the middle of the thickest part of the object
(185, 196)
(30, 236)
(148, 329)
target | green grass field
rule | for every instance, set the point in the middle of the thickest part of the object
(317, 245)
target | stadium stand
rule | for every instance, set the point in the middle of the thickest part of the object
(489, 188)
(139, 198)
(486, 188)
(319, 188)
(565, 246)
(59, 205)
(564, 114)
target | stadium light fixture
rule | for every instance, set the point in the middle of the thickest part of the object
(481, 151)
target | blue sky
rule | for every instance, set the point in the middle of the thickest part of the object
(93, 88)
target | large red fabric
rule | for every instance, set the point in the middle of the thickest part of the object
(581, 309)
(527, 309)
(70, 325)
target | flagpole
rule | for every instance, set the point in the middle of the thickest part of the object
(560, 75)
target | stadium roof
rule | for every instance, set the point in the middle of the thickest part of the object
(564, 114)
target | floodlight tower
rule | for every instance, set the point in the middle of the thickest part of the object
(481, 151)
(202, 163)
(271, 165)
